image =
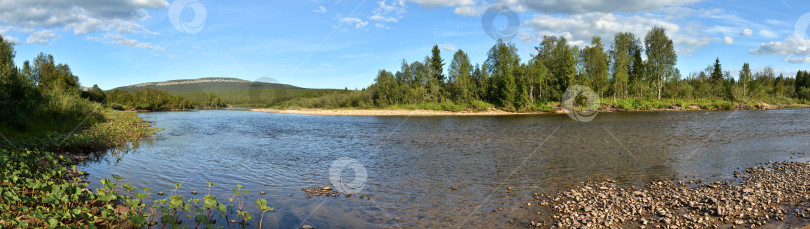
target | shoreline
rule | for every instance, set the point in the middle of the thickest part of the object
(493, 111)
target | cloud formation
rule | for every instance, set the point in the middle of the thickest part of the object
(588, 6)
(357, 22)
(79, 16)
(747, 32)
(579, 28)
(111, 38)
(791, 46)
(43, 37)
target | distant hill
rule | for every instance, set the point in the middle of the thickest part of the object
(187, 86)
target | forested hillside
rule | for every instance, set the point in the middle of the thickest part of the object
(187, 86)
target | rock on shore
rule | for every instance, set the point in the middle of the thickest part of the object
(765, 194)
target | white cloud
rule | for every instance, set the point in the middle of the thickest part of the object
(81, 16)
(791, 46)
(747, 32)
(78, 16)
(14, 40)
(43, 37)
(728, 40)
(468, 7)
(579, 28)
(797, 60)
(381, 25)
(357, 22)
(588, 6)
(448, 47)
(118, 39)
(469, 11)
(383, 18)
(384, 13)
(4, 30)
(320, 9)
(388, 13)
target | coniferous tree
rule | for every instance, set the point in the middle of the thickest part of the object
(437, 64)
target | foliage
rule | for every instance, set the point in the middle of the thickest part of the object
(39, 190)
(154, 100)
(41, 98)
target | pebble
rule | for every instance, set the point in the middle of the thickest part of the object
(759, 196)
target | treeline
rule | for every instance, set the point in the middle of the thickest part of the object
(614, 72)
(41, 95)
(154, 100)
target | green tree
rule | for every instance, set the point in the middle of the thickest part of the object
(802, 86)
(19, 99)
(460, 76)
(561, 62)
(717, 76)
(95, 94)
(661, 56)
(503, 63)
(745, 76)
(638, 77)
(383, 87)
(596, 65)
(624, 47)
(437, 63)
(536, 76)
(522, 94)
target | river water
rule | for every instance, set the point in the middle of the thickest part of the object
(411, 164)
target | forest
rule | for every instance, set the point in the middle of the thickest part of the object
(618, 73)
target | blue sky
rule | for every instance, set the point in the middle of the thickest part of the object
(337, 44)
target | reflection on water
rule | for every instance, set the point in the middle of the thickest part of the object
(412, 162)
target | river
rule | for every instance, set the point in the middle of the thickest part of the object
(412, 164)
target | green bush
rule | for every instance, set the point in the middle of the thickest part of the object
(477, 105)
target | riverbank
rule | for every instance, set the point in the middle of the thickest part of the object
(555, 109)
(773, 194)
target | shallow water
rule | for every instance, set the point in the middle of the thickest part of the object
(412, 162)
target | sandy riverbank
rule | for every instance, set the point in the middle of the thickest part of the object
(490, 112)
